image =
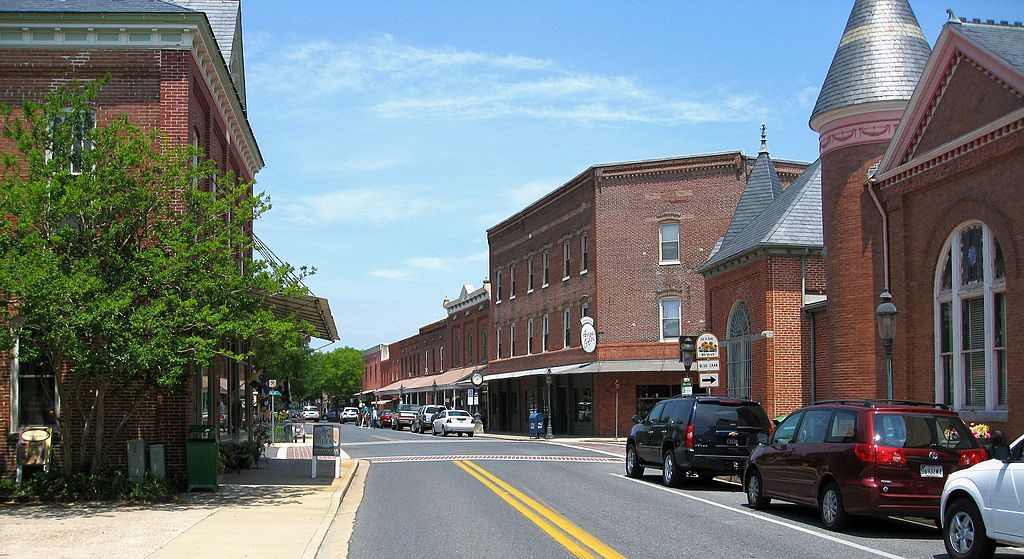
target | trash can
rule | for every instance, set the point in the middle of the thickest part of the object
(536, 425)
(202, 452)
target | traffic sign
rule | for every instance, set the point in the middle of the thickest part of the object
(275, 393)
(709, 365)
(708, 380)
(707, 346)
(272, 383)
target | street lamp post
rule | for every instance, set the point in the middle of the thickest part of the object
(547, 378)
(687, 353)
(886, 316)
(434, 385)
(401, 394)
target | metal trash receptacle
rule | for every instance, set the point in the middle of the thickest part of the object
(202, 452)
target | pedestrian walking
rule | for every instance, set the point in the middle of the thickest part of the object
(365, 421)
(373, 419)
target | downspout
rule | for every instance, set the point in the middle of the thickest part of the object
(810, 316)
(885, 231)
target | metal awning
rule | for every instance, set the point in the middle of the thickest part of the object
(623, 366)
(445, 381)
(309, 308)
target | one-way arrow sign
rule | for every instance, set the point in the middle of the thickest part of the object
(708, 380)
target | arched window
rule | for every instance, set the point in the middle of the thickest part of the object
(970, 320)
(738, 347)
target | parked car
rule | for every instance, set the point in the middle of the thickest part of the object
(452, 421)
(404, 415)
(349, 414)
(333, 415)
(311, 413)
(385, 418)
(862, 457)
(703, 435)
(983, 506)
(425, 417)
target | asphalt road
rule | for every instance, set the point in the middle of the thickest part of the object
(438, 497)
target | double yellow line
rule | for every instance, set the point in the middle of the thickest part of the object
(572, 537)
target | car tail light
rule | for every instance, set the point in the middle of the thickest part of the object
(689, 436)
(880, 454)
(472, 422)
(973, 456)
(449, 420)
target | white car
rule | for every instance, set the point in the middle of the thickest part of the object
(453, 421)
(311, 412)
(983, 506)
(349, 414)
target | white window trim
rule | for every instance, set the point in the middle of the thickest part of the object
(566, 261)
(546, 273)
(529, 337)
(661, 241)
(497, 282)
(512, 282)
(544, 334)
(14, 367)
(955, 296)
(584, 264)
(566, 328)
(529, 276)
(497, 346)
(661, 318)
(512, 340)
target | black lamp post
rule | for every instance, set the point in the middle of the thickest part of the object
(434, 385)
(886, 316)
(547, 378)
(687, 353)
(401, 394)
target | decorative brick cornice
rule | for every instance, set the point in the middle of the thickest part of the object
(855, 133)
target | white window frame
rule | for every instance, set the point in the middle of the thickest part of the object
(442, 358)
(497, 346)
(15, 369)
(739, 339)
(497, 282)
(529, 337)
(584, 255)
(989, 288)
(566, 327)
(663, 318)
(546, 332)
(662, 243)
(566, 261)
(512, 281)
(547, 269)
(426, 361)
(529, 275)
(512, 340)
(584, 310)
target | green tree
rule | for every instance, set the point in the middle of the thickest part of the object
(338, 373)
(126, 261)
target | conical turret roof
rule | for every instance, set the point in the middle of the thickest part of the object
(880, 57)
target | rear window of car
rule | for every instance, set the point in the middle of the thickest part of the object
(458, 414)
(711, 414)
(407, 407)
(921, 431)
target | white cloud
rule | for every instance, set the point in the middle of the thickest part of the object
(402, 81)
(355, 206)
(428, 263)
(397, 275)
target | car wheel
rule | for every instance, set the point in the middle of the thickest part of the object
(833, 512)
(755, 491)
(671, 476)
(460, 433)
(470, 435)
(964, 534)
(633, 468)
(444, 431)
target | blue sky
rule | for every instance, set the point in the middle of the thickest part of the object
(396, 133)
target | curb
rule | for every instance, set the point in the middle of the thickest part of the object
(343, 484)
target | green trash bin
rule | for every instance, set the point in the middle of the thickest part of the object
(202, 451)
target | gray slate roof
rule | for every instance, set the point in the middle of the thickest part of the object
(1004, 41)
(223, 16)
(880, 57)
(92, 6)
(763, 186)
(793, 219)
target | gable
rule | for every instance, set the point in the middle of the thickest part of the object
(971, 99)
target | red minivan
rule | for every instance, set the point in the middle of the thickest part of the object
(862, 457)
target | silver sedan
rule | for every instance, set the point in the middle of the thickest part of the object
(453, 421)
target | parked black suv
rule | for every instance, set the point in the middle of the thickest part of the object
(705, 435)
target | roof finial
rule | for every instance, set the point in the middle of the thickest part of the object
(952, 17)
(764, 140)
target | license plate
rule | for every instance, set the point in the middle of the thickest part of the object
(732, 442)
(931, 471)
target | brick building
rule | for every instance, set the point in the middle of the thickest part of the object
(433, 365)
(622, 244)
(766, 271)
(172, 66)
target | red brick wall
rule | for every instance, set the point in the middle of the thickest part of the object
(853, 245)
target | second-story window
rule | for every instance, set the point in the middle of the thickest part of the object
(483, 346)
(670, 318)
(529, 337)
(584, 253)
(497, 342)
(469, 349)
(670, 242)
(512, 281)
(545, 333)
(566, 327)
(547, 269)
(512, 339)
(497, 282)
(529, 275)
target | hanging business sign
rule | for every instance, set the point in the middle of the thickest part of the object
(707, 346)
(588, 335)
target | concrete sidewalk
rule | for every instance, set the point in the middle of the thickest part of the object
(275, 511)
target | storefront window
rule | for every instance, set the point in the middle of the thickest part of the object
(35, 391)
(584, 405)
(647, 395)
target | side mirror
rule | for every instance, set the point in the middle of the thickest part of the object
(762, 438)
(1001, 452)
(637, 419)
